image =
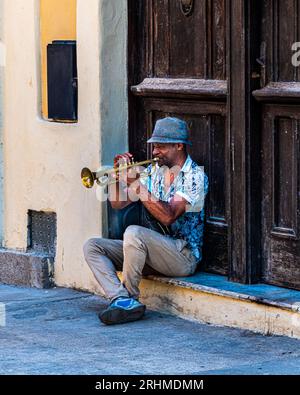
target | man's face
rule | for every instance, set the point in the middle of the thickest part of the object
(167, 153)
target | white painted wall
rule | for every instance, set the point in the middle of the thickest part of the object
(43, 160)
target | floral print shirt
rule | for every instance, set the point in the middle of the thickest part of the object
(191, 184)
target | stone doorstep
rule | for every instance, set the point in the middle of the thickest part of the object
(214, 300)
(29, 269)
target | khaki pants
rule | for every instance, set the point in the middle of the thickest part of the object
(143, 251)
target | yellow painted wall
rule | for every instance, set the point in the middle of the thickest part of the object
(58, 22)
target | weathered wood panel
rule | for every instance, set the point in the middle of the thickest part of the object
(281, 196)
(188, 46)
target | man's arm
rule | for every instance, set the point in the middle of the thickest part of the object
(165, 212)
(191, 197)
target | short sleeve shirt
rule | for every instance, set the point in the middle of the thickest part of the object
(192, 185)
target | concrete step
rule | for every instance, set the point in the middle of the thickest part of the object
(212, 299)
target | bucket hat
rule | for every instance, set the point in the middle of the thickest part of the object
(170, 130)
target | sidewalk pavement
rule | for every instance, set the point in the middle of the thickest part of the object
(57, 331)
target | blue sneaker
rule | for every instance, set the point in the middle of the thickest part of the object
(122, 310)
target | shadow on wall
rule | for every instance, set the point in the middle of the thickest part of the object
(114, 109)
(113, 72)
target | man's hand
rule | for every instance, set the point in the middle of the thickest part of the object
(133, 175)
(123, 159)
(119, 161)
(118, 194)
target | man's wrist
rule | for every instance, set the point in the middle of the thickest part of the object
(142, 190)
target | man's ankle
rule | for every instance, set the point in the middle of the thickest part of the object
(119, 297)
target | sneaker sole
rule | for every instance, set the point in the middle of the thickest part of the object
(121, 316)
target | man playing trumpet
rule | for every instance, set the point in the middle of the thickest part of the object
(173, 194)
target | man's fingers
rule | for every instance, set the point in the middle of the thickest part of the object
(123, 159)
(129, 157)
(119, 159)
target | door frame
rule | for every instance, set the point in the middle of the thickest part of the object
(244, 214)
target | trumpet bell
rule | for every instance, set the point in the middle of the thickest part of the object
(87, 177)
(101, 176)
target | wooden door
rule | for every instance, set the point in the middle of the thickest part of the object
(280, 98)
(225, 67)
(177, 67)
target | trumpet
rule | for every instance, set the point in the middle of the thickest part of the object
(101, 176)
